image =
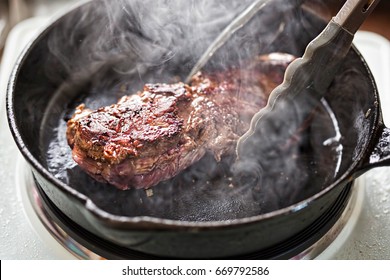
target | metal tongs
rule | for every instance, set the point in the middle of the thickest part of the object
(309, 77)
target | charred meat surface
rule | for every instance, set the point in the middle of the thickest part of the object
(154, 134)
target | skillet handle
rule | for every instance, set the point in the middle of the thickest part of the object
(380, 155)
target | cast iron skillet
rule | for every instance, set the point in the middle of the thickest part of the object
(196, 214)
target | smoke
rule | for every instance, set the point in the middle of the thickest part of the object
(133, 38)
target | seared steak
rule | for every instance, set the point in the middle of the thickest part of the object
(154, 134)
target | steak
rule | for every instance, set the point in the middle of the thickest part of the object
(156, 133)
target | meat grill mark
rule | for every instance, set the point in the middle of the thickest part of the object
(154, 134)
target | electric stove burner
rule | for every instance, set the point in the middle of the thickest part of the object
(85, 245)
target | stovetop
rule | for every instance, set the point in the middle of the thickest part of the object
(23, 236)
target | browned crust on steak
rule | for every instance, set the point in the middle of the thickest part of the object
(132, 125)
(154, 134)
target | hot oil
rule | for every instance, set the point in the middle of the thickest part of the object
(208, 190)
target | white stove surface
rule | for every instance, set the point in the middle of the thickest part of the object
(23, 236)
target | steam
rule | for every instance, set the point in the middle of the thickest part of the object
(133, 37)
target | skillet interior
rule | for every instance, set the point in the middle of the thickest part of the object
(44, 100)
